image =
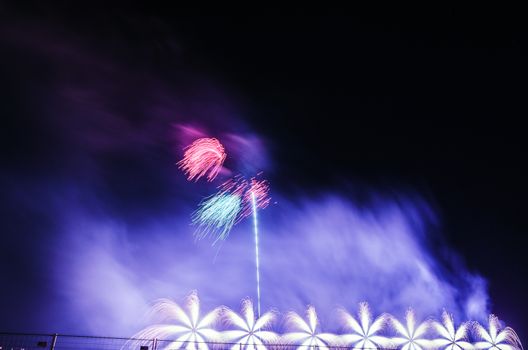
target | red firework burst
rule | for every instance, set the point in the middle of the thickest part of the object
(204, 157)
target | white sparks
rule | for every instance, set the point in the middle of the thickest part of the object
(410, 335)
(306, 334)
(451, 338)
(495, 338)
(186, 330)
(252, 333)
(364, 332)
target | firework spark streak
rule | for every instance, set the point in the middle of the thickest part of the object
(257, 194)
(254, 194)
(306, 335)
(495, 338)
(251, 333)
(183, 328)
(216, 216)
(246, 190)
(204, 157)
(364, 332)
(411, 336)
(451, 338)
(192, 332)
(258, 191)
(257, 263)
(237, 199)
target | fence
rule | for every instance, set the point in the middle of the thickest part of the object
(21, 341)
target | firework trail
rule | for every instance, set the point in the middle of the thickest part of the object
(237, 199)
(216, 216)
(203, 157)
(246, 190)
(255, 197)
(306, 332)
(257, 259)
(251, 333)
(451, 338)
(364, 331)
(192, 332)
(254, 194)
(183, 328)
(411, 336)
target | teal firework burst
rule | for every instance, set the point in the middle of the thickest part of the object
(216, 216)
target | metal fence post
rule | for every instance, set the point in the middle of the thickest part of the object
(53, 341)
(154, 343)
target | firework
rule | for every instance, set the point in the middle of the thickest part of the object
(246, 190)
(237, 185)
(183, 328)
(257, 260)
(204, 157)
(306, 334)
(254, 194)
(495, 338)
(364, 332)
(216, 216)
(410, 336)
(451, 338)
(191, 331)
(251, 333)
(237, 199)
(257, 195)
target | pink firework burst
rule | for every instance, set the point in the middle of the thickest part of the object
(236, 185)
(249, 191)
(204, 157)
(258, 191)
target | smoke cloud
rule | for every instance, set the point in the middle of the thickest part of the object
(326, 252)
(96, 203)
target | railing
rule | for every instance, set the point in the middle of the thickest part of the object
(22, 341)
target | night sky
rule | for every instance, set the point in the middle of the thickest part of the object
(427, 103)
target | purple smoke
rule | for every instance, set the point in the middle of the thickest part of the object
(326, 252)
(109, 213)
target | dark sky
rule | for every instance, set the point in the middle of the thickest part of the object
(431, 102)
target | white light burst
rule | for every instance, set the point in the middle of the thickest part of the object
(183, 328)
(411, 336)
(251, 333)
(365, 331)
(307, 335)
(495, 338)
(451, 338)
(186, 330)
